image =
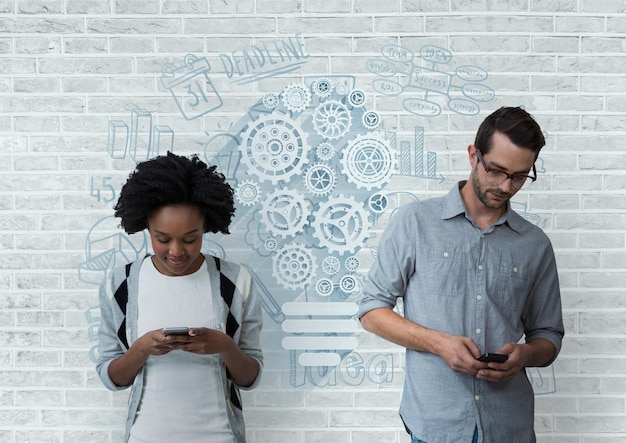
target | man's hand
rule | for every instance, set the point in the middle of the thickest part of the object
(498, 372)
(458, 352)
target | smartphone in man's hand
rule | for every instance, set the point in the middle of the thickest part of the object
(489, 357)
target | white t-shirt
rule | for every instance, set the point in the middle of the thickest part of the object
(183, 399)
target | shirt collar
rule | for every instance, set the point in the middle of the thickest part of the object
(453, 206)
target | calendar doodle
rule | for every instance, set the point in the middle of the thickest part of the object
(191, 87)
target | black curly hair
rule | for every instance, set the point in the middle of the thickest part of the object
(172, 180)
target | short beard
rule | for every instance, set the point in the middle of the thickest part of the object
(481, 195)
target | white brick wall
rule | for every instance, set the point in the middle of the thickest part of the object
(67, 68)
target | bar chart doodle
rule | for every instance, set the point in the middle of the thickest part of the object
(142, 141)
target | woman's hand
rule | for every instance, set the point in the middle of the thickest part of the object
(243, 369)
(123, 370)
(203, 341)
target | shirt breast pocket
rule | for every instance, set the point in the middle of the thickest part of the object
(512, 284)
(445, 274)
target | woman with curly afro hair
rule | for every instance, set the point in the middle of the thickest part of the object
(185, 382)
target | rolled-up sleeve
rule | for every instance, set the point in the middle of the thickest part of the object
(389, 276)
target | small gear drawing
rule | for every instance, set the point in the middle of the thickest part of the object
(370, 120)
(352, 288)
(296, 97)
(378, 203)
(324, 287)
(332, 119)
(331, 265)
(294, 266)
(270, 244)
(248, 193)
(320, 179)
(347, 283)
(368, 162)
(322, 87)
(325, 151)
(341, 89)
(274, 147)
(285, 213)
(352, 263)
(270, 100)
(341, 224)
(357, 98)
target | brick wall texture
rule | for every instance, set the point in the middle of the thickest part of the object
(73, 72)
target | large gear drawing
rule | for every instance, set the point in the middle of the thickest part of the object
(332, 119)
(296, 97)
(285, 213)
(341, 224)
(320, 179)
(294, 266)
(274, 147)
(368, 162)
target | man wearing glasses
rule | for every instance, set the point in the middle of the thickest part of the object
(476, 278)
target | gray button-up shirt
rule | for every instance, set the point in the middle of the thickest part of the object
(495, 286)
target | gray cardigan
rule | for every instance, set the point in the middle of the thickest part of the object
(242, 320)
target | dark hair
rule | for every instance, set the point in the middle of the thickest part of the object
(514, 122)
(172, 180)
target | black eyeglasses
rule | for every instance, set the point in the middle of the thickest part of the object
(498, 176)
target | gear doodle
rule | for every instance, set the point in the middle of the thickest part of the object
(368, 162)
(285, 213)
(270, 244)
(347, 283)
(294, 266)
(370, 120)
(296, 97)
(331, 265)
(322, 87)
(274, 147)
(325, 151)
(352, 263)
(357, 98)
(378, 203)
(248, 193)
(352, 289)
(270, 100)
(320, 179)
(324, 287)
(332, 119)
(341, 224)
(341, 89)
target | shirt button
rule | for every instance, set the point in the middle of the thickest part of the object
(515, 269)
(480, 267)
(478, 330)
(479, 297)
(477, 397)
(445, 254)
